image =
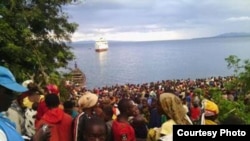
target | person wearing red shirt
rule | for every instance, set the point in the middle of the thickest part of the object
(195, 112)
(58, 121)
(42, 108)
(122, 130)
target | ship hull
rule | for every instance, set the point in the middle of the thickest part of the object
(101, 50)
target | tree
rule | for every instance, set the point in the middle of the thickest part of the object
(33, 38)
(242, 72)
(227, 107)
(241, 83)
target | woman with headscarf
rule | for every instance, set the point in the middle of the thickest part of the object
(171, 106)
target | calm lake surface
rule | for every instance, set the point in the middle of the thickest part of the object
(140, 62)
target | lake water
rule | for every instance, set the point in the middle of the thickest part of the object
(140, 62)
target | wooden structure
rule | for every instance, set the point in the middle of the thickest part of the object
(78, 78)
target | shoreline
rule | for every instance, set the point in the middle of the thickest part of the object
(207, 79)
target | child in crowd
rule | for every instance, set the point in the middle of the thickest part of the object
(139, 123)
(195, 113)
(95, 130)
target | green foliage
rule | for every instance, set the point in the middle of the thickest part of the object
(64, 92)
(242, 72)
(199, 92)
(33, 36)
(231, 85)
(227, 107)
(240, 82)
(233, 62)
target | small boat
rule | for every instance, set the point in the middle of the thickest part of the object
(101, 45)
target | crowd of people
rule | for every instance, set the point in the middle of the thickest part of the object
(131, 112)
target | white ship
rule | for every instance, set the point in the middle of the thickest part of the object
(101, 45)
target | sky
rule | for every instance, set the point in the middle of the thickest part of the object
(148, 20)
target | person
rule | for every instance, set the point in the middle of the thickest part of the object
(57, 119)
(99, 111)
(155, 117)
(116, 111)
(139, 123)
(95, 129)
(108, 113)
(21, 97)
(210, 112)
(29, 123)
(171, 106)
(87, 102)
(121, 128)
(8, 87)
(42, 108)
(195, 113)
(15, 114)
(69, 108)
(33, 96)
(184, 104)
(145, 109)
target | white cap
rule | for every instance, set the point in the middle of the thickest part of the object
(27, 82)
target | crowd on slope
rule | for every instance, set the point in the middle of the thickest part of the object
(131, 112)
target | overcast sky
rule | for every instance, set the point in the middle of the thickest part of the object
(158, 19)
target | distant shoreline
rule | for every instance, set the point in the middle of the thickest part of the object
(75, 44)
(221, 36)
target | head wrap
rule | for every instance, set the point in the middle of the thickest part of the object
(173, 108)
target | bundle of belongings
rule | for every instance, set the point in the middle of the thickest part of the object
(210, 112)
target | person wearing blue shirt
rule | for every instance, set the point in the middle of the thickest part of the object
(8, 86)
(9, 90)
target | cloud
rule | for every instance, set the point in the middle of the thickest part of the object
(235, 19)
(120, 17)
